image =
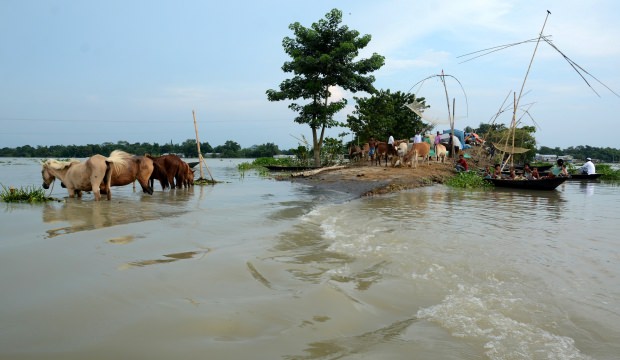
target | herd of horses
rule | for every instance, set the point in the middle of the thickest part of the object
(98, 174)
(401, 153)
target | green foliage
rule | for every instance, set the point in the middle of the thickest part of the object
(323, 57)
(384, 114)
(608, 172)
(29, 194)
(333, 149)
(581, 152)
(188, 148)
(229, 150)
(468, 180)
(523, 138)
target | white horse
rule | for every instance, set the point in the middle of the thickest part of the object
(81, 176)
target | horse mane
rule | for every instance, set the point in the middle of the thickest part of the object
(58, 164)
(119, 159)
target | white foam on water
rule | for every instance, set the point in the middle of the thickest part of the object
(490, 316)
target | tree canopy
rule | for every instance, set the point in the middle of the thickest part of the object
(384, 114)
(322, 57)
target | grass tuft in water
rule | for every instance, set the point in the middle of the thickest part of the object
(29, 194)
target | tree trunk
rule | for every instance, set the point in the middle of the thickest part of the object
(316, 146)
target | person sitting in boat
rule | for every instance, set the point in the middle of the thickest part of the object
(513, 174)
(461, 164)
(559, 169)
(488, 172)
(527, 171)
(588, 168)
(535, 174)
(498, 172)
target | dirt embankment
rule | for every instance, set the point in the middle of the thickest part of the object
(364, 179)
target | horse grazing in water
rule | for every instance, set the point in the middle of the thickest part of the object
(171, 171)
(91, 175)
(133, 168)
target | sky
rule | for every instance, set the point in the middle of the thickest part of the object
(89, 72)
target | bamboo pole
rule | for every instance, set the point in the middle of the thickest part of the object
(516, 105)
(200, 158)
(451, 140)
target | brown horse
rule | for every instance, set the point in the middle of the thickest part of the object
(171, 171)
(90, 175)
(134, 168)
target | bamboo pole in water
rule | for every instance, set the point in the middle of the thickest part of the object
(200, 158)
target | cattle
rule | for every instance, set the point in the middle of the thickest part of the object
(422, 149)
(384, 150)
(402, 147)
(441, 152)
(355, 153)
(366, 151)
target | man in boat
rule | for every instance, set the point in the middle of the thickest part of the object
(588, 168)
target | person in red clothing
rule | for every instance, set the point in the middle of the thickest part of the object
(461, 164)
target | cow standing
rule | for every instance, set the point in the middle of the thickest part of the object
(422, 149)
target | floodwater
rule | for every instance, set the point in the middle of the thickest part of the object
(253, 268)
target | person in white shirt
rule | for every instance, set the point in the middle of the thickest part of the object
(417, 138)
(391, 140)
(588, 168)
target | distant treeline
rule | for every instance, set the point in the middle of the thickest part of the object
(581, 152)
(188, 148)
(232, 149)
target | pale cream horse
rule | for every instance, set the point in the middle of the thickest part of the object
(79, 176)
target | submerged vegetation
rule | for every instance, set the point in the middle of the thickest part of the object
(468, 180)
(260, 164)
(608, 172)
(29, 194)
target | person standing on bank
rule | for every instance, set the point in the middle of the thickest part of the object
(588, 168)
(437, 141)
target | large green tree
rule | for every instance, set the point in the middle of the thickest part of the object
(384, 114)
(324, 56)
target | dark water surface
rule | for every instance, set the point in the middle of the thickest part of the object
(253, 268)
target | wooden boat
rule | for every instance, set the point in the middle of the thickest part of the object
(539, 184)
(584, 177)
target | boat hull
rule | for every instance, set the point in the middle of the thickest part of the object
(540, 184)
(584, 176)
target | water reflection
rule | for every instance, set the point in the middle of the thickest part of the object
(343, 347)
(167, 259)
(77, 215)
(587, 187)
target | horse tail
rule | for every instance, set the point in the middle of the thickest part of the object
(107, 178)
